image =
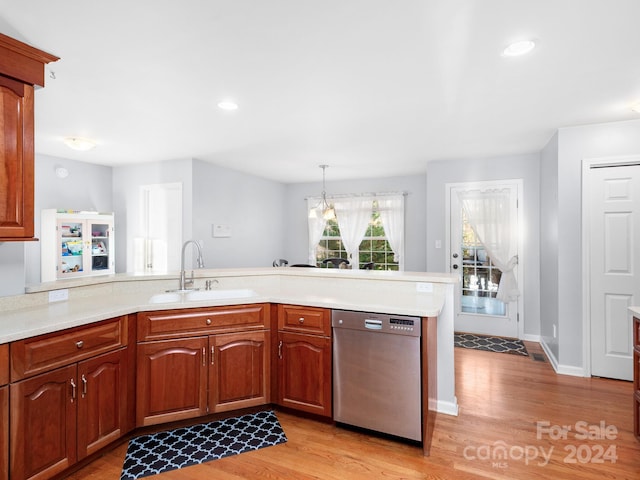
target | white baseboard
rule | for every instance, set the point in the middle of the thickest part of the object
(559, 368)
(448, 408)
(531, 338)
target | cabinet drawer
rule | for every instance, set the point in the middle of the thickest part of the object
(636, 332)
(168, 324)
(45, 352)
(636, 370)
(304, 319)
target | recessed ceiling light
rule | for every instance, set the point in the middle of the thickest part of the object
(79, 143)
(519, 48)
(228, 105)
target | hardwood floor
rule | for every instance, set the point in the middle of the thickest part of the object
(508, 404)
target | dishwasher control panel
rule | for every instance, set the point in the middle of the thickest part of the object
(376, 322)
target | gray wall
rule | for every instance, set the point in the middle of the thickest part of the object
(88, 187)
(127, 181)
(549, 245)
(525, 167)
(296, 239)
(574, 145)
(251, 206)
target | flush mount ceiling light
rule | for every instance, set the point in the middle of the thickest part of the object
(328, 212)
(519, 48)
(79, 143)
(228, 105)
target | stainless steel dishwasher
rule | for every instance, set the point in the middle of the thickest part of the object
(376, 372)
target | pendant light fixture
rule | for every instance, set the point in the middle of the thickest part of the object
(328, 212)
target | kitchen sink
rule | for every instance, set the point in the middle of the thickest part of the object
(202, 295)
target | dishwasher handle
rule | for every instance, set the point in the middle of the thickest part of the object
(373, 324)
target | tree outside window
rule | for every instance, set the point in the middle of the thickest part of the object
(373, 248)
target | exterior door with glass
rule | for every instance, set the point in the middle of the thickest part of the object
(480, 310)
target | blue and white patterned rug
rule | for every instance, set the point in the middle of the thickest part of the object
(182, 447)
(490, 343)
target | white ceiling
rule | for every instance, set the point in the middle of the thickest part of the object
(371, 87)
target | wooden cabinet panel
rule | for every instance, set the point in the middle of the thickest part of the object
(4, 433)
(239, 371)
(636, 377)
(43, 424)
(4, 364)
(45, 352)
(102, 401)
(304, 372)
(167, 324)
(171, 380)
(17, 160)
(299, 319)
(21, 67)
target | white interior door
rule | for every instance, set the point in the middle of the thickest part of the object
(157, 248)
(614, 267)
(478, 309)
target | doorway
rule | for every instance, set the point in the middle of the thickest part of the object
(156, 248)
(612, 233)
(480, 308)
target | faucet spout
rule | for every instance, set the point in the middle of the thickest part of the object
(199, 260)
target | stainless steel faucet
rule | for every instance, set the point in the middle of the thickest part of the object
(184, 283)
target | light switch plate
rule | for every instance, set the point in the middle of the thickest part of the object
(221, 231)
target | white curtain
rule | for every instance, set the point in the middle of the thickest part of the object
(491, 217)
(316, 226)
(391, 210)
(353, 216)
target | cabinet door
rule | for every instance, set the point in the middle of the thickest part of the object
(43, 424)
(4, 432)
(102, 401)
(171, 380)
(239, 371)
(16, 160)
(304, 373)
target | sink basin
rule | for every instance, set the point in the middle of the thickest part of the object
(168, 297)
(202, 295)
(199, 295)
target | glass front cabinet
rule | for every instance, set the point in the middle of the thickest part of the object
(75, 244)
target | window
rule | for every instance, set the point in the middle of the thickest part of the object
(373, 248)
(480, 277)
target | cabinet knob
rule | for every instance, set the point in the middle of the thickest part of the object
(301, 320)
(79, 344)
(208, 321)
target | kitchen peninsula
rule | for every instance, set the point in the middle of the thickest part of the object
(114, 305)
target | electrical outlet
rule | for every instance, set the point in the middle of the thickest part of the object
(424, 287)
(58, 295)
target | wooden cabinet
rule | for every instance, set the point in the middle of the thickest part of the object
(636, 377)
(21, 67)
(76, 244)
(66, 406)
(197, 361)
(4, 411)
(304, 359)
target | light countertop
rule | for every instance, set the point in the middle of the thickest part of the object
(92, 299)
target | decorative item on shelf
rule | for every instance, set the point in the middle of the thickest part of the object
(328, 212)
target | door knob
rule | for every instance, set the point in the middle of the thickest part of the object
(455, 255)
(455, 267)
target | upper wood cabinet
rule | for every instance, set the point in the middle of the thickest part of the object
(21, 67)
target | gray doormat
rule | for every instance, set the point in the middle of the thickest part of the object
(173, 449)
(490, 343)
